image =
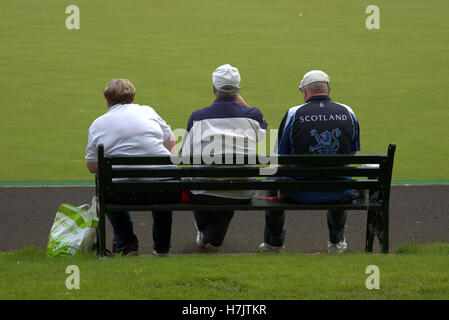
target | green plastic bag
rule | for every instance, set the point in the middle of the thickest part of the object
(74, 230)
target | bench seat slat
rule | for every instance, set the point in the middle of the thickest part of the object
(256, 204)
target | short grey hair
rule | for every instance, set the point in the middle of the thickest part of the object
(319, 86)
(230, 92)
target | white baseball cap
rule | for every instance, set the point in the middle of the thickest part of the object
(313, 76)
(226, 75)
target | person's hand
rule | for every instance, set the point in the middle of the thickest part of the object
(240, 100)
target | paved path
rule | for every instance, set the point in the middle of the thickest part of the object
(417, 213)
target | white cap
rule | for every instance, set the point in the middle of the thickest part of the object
(313, 76)
(226, 75)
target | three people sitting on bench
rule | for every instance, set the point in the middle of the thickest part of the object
(318, 126)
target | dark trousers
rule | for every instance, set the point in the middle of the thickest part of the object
(274, 233)
(162, 220)
(214, 224)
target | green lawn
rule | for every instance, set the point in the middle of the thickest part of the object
(52, 78)
(413, 272)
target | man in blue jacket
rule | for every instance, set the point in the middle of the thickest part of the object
(228, 126)
(319, 126)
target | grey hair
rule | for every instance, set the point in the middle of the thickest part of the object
(230, 92)
(319, 86)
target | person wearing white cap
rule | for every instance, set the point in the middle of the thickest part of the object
(319, 126)
(226, 83)
(228, 120)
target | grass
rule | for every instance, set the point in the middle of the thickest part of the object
(413, 272)
(393, 78)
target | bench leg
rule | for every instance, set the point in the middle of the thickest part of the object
(377, 225)
(370, 228)
(382, 230)
(385, 231)
(102, 233)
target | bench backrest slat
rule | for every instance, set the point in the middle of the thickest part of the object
(306, 159)
(317, 172)
(308, 185)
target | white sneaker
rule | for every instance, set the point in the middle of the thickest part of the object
(265, 247)
(200, 241)
(160, 254)
(340, 247)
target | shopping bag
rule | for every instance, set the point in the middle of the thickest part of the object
(74, 230)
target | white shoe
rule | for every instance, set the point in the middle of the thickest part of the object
(200, 241)
(265, 247)
(160, 254)
(340, 247)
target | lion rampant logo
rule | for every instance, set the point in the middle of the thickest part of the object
(327, 142)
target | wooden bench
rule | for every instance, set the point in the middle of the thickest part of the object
(319, 172)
